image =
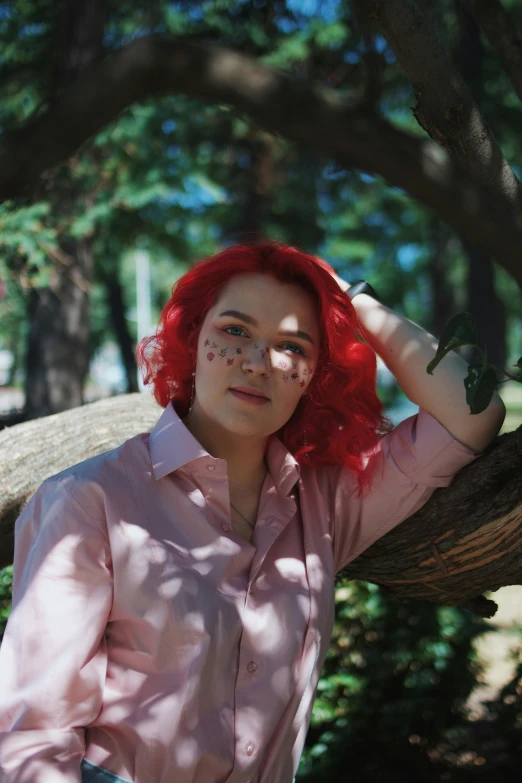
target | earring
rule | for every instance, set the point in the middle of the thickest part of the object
(304, 434)
(192, 396)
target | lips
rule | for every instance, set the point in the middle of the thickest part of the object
(251, 392)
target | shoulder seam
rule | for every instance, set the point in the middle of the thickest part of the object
(104, 533)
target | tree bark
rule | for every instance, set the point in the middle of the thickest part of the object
(445, 106)
(467, 539)
(487, 310)
(502, 34)
(309, 113)
(121, 328)
(443, 307)
(57, 358)
(483, 303)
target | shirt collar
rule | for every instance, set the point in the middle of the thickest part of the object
(172, 446)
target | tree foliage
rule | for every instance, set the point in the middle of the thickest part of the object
(180, 170)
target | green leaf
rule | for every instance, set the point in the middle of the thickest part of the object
(460, 330)
(480, 385)
(519, 364)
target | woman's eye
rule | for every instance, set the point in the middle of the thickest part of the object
(232, 327)
(296, 346)
(302, 353)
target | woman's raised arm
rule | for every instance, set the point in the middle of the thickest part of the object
(407, 349)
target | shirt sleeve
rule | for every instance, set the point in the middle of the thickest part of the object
(412, 460)
(53, 655)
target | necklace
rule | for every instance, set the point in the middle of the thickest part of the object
(241, 515)
(250, 524)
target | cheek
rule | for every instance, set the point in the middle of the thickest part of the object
(296, 373)
(219, 353)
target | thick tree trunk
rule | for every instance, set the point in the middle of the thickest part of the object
(483, 303)
(487, 310)
(467, 539)
(57, 352)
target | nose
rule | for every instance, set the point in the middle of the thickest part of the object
(257, 359)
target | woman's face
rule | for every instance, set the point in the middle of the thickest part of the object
(251, 350)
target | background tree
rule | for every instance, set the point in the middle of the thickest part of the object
(180, 127)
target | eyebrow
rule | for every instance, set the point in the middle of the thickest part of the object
(249, 320)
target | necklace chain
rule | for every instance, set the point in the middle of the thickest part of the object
(241, 515)
(250, 524)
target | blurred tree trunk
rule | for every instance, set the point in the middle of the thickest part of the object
(57, 351)
(487, 309)
(483, 303)
(443, 307)
(57, 355)
(255, 188)
(115, 300)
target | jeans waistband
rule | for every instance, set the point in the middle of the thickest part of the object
(93, 774)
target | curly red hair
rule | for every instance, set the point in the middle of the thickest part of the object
(342, 412)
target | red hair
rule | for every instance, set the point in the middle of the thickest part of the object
(342, 412)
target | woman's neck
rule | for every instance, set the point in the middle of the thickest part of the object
(246, 458)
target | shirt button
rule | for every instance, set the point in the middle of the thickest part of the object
(225, 528)
(251, 667)
(250, 748)
(210, 467)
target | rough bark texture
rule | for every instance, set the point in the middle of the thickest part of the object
(466, 539)
(32, 451)
(306, 112)
(445, 106)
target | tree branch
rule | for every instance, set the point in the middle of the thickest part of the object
(502, 35)
(308, 113)
(465, 540)
(445, 107)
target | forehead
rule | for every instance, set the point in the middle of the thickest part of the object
(266, 299)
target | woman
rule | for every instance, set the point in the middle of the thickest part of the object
(173, 598)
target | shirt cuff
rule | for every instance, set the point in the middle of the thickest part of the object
(426, 452)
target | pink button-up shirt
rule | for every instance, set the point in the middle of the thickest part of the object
(149, 638)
